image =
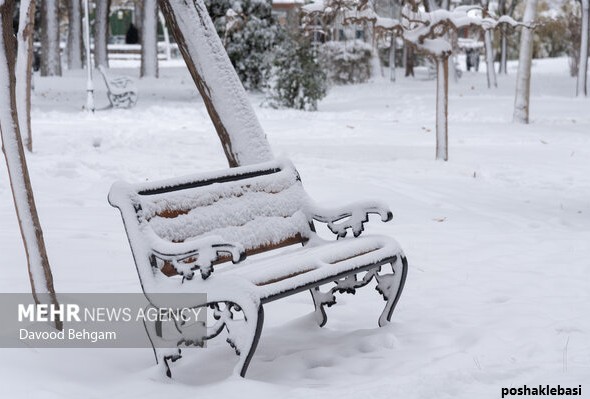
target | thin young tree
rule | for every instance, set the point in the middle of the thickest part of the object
(24, 63)
(432, 32)
(101, 33)
(583, 64)
(74, 46)
(149, 39)
(39, 270)
(50, 51)
(525, 60)
(505, 9)
(237, 126)
(489, 49)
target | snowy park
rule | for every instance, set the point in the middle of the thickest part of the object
(495, 228)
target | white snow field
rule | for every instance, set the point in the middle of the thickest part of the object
(498, 291)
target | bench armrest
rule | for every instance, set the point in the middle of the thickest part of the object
(353, 216)
(203, 251)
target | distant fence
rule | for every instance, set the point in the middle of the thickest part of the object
(126, 51)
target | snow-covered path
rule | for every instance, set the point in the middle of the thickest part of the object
(498, 293)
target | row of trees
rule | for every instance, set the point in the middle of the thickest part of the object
(51, 16)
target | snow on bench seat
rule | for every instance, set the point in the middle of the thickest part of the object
(299, 267)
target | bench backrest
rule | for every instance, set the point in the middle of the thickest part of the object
(261, 206)
(117, 84)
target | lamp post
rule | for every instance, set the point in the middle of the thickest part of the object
(89, 84)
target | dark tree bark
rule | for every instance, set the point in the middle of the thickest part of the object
(409, 61)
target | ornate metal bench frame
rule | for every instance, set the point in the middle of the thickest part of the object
(156, 258)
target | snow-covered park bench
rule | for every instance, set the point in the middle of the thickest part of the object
(184, 232)
(121, 90)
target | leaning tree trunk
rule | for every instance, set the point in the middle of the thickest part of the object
(74, 34)
(24, 63)
(149, 39)
(442, 101)
(525, 60)
(50, 54)
(101, 33)
(237, 126)
(583, 64)
(30, 227)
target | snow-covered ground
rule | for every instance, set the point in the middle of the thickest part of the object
(498, 293)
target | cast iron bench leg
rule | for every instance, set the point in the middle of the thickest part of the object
(391, 287)
(258, 330)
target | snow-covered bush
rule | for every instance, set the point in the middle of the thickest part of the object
(249, 51)
(248, 37)
(298, 78)
(346, 62)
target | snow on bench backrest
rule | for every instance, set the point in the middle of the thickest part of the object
(259, 206)
(259, 210)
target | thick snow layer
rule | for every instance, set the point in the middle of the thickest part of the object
(497, 238)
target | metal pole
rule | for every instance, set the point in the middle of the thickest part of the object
(89, 84)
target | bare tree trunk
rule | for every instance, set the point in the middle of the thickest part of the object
(491, 72)
(489, 49)
(504, 9)
(392, 49)
(525, 60)
(50, 54)
(74, 34)
(89, 83)
(503, 70)
(237, 126)
(137, 15)
(24, 63)
(583, 64)
(149, 39)
(30, 227)
(101, 33)
(442, 101)
(409, 60)
(503, 43)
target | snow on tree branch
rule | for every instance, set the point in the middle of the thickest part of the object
(428, 30)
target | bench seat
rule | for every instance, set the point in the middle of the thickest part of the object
(294, 269)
